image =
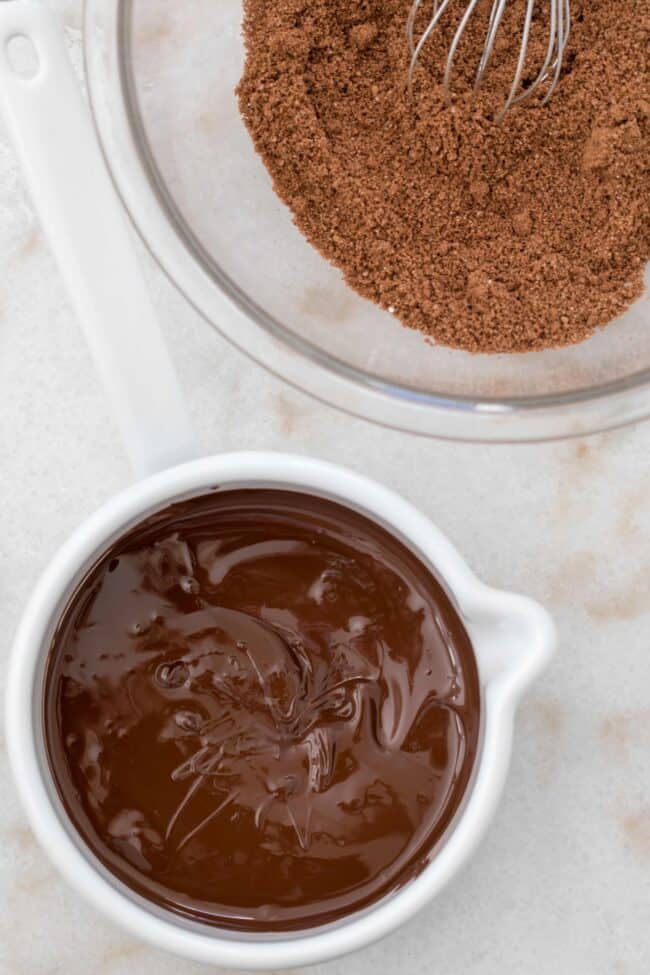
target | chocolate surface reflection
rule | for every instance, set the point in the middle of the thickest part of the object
(261, 710)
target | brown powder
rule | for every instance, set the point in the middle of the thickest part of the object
(492, 238)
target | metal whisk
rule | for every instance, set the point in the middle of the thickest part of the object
(549, 72)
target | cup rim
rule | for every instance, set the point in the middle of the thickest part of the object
(500, 692)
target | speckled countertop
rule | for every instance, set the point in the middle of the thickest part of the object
(561, 884)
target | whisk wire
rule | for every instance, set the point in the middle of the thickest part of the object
(548, 63)
(559, 26)
(454, 46)
(496, 15)
(563, 31)
(433, 23)
(521, 61)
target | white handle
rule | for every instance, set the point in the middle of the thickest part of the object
(73, 194)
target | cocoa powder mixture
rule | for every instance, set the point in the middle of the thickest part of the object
(491, 238)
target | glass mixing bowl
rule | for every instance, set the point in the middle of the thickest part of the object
(161, 78)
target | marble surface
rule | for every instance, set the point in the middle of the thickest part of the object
(561, 884)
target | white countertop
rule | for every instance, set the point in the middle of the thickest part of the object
(561, 884)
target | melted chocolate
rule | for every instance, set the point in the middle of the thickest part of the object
(261, 710)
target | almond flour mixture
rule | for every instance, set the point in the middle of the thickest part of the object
(491, 238)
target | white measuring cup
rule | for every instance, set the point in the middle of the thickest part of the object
(513, 637)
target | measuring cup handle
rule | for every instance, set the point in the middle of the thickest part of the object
(73, 194)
